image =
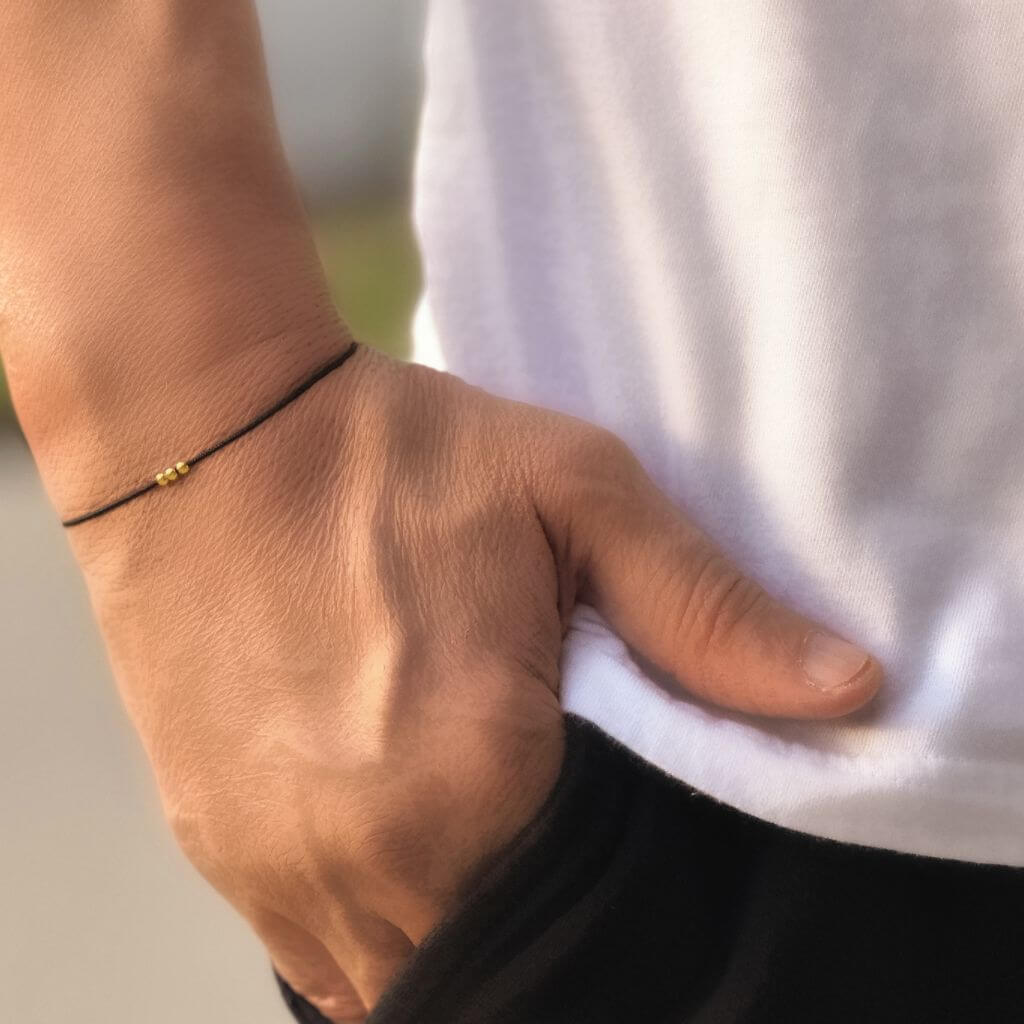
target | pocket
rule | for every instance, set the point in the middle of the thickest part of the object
(571, 920)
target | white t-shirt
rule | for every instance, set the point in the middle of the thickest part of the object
(779, 249)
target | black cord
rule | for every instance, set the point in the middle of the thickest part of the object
(234, 436)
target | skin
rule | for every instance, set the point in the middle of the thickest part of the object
(339, 638)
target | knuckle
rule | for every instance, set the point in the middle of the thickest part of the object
(187, 827)
(227, 848)
(197, 837)
(331, 1005)
(600, 449)
(596, 471)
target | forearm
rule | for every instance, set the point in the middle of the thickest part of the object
(158, 280)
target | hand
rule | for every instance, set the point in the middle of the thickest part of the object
(339, 640)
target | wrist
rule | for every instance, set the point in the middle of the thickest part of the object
(101, 422)
(159, 277)
(297, 461)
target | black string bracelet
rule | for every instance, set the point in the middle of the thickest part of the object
(184, 467)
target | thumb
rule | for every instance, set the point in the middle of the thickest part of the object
(670, 593)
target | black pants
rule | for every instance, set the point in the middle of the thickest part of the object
(633, 898)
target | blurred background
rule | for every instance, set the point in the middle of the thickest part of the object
(101, 917)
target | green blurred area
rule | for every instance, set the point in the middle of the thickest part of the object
(369, 253)
(370, 256)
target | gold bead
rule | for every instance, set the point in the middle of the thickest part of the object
(161, 480)
(182, 468)
(171, 473)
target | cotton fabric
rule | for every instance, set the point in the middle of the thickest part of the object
(777, 247)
